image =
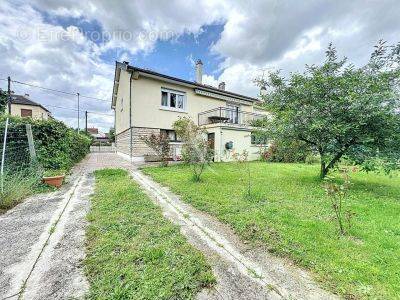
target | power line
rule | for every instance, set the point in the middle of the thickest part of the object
(74, 109)
(57, 91)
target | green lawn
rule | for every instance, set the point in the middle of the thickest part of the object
(289, 213)
(133, 252)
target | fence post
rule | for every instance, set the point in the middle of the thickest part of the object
(3, 156)
(32, 151)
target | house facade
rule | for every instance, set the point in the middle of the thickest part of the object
(22, 106)
(147, 102)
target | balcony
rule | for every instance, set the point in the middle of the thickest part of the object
(228, 116)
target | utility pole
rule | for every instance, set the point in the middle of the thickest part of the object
(9, 95)
(86, 121)
(78, 112)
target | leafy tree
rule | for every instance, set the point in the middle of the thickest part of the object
(3, 101)
(111, 135)
(339, 110)
(196, 150)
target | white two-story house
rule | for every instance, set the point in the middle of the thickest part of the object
(147, 102)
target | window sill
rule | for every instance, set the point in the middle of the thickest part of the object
(175, 143)
(173, 109)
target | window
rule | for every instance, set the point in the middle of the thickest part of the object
(171, 134)
(173, 99)
(164, 98)
(122, 104)
(232, 113)
(26, 113)
(180, 100)
(257, 139)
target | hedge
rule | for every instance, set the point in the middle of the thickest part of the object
(57, 146)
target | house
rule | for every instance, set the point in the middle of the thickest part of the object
(22, 106)
(147, 102)
(97, 135)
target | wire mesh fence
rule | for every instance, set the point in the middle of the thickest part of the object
(20, 172)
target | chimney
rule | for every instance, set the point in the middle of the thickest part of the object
(125, 62)
(199, 71)
(221, 86)
(27, 95)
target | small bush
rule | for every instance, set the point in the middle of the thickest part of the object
(159, 143)
(338, 195)
(196, 150)
(17, 185)
(287, 151)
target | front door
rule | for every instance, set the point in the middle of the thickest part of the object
(211, 141)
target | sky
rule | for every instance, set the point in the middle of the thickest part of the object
(72, 45)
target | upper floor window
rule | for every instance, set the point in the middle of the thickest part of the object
(26, 113)
(174, 100)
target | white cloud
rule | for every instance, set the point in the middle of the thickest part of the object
(47, 55)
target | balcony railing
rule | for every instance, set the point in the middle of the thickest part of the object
(227, 115)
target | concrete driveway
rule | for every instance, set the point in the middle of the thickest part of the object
(42, 239)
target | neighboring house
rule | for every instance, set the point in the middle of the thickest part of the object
(22, 106)
(147, 102)
(98, 136)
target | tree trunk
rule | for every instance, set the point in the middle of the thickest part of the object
(324, 170)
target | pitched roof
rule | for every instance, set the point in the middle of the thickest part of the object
(193, 84)
(209, 87)
(23, 100)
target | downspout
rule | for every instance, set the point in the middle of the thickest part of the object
(130, 114)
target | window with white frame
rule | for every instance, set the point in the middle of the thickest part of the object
(174, 100)
(171, 135)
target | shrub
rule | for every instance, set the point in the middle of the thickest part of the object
(57, 146)
(17, 185)
(196, 150)
(287, 151)
(244, 165)
(338, 195)
(159, 143)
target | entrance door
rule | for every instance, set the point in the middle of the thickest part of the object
(211, 142)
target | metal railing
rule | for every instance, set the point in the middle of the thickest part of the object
(227, 115)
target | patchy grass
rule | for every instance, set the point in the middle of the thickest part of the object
(19, 185)
(133, 252)
(289, 213)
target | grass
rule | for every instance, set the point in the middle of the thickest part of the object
(289, 213)
(133, 252)
(18, 185)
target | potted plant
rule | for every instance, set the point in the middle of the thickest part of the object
(54, 177)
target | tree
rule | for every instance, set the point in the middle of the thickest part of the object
(160, 145)
(3, 101)
(111, 135)
(196, 150)
(339, 110)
